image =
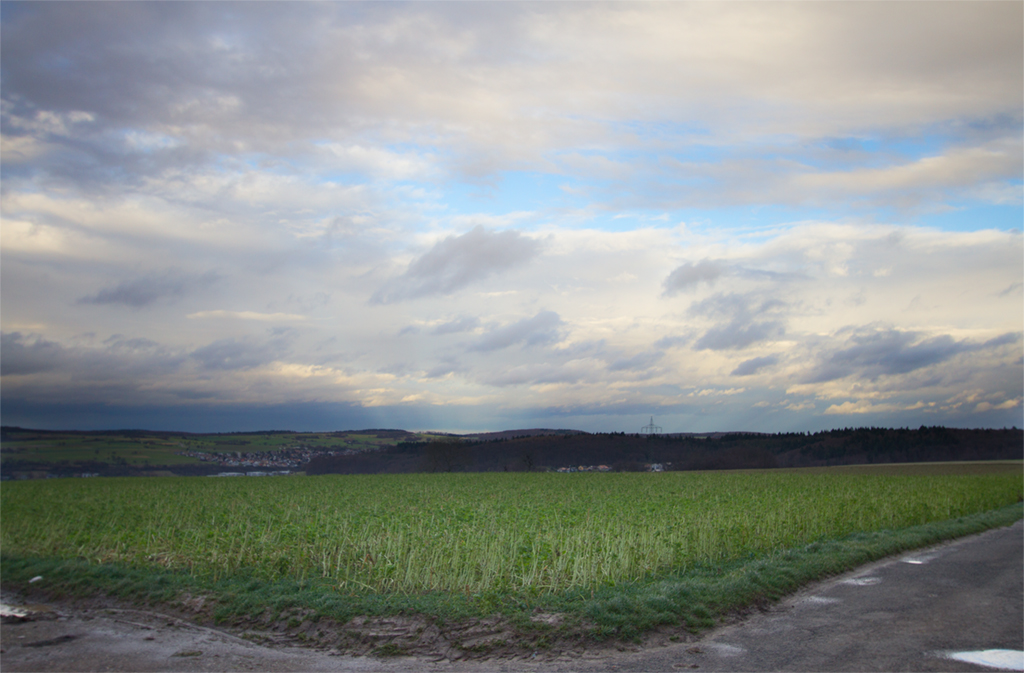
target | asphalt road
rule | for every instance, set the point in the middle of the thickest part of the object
(906, 613)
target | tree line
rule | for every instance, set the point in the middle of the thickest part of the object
(633, 452)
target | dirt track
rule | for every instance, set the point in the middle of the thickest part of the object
(904, 613)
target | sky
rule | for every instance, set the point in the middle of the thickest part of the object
(482, 216)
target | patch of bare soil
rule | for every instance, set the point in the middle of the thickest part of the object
(416, 635)
(495, 639)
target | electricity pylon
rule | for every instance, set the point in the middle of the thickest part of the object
(651, 429)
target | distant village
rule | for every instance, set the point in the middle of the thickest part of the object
(648, 467)
(289, 458)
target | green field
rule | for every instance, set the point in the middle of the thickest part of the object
(473, 532)
(57, 448)
(614, 554)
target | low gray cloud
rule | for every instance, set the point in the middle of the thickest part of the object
(745, 319)
(674, 341)
(873, 353)
(692, 274)
(1013, 287)
(534, 374)
(461, 324)
(444, 368)
(458, 261)
(739, 334)
(638, 362)
(1003, 340)
(540, 329)
(19, 355)
(117, 343)
(119, 360)
(147, 290)
(231, 354)
(753, 365)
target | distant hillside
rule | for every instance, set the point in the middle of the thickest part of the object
(718, 451)
(38, 453)
(28, 453)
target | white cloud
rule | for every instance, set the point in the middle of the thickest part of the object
(988, 406)
(865, 407)
(961, 169)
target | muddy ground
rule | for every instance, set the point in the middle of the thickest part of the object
(39, 632)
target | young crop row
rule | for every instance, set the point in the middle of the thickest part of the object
(470, 532)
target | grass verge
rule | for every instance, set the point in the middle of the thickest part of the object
(695, 599)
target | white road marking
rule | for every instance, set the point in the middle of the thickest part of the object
(1004, 660)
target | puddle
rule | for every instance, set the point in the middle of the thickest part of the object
(919, 559)
(1005, 660)
(862, 581)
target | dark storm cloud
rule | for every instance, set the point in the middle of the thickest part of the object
(540, 329)
(692, 274)
(873, 353)
(458, 261)
(753, 365)
(147, 290)
(744, 319)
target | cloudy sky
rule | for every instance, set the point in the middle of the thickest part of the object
(483, 216)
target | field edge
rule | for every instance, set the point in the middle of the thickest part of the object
(459, 625)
